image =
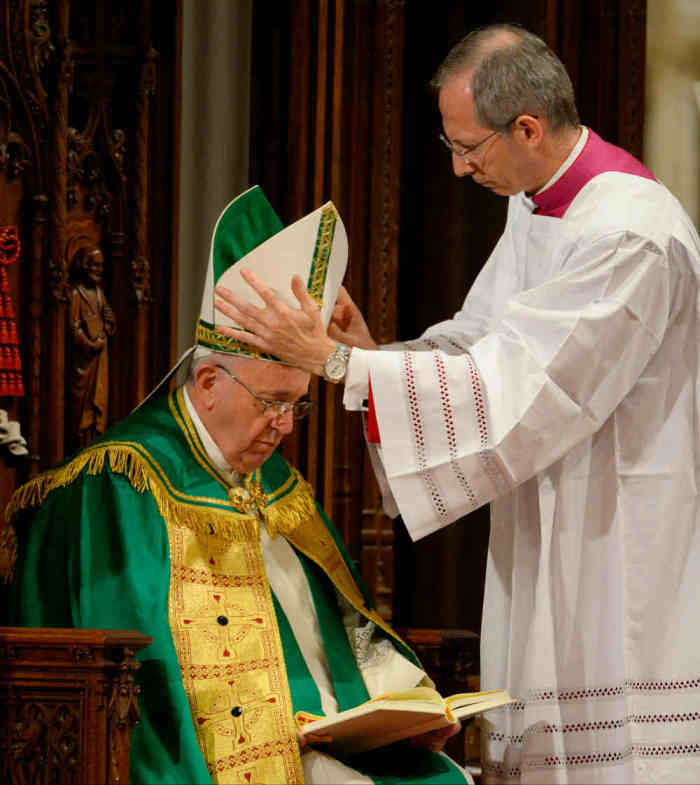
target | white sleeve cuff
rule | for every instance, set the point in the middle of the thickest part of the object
(357, 376)
(357, 381)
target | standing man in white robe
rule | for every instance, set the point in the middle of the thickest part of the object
(565, 392)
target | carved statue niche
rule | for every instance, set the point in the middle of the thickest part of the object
(91, 323)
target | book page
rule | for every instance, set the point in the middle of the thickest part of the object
(467, 704)
(395, 716)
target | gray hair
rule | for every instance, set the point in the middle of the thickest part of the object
(210, 356)
(513, 72)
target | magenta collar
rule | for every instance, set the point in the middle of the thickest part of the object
(596, 157)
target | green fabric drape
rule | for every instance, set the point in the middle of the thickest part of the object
(90, 559)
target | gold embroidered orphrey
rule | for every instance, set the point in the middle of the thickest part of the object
(229, 648)
(225, 631)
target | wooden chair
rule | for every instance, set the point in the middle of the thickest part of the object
(67, 705)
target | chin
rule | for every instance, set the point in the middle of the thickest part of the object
(505, 190)
(248, 465)
(251, 460)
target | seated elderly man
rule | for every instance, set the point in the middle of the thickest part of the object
(183, 522)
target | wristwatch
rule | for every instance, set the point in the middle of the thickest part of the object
(336, 364)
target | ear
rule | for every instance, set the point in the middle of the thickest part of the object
(204, 381)
(528, 129)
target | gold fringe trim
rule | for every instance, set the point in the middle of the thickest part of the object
(127, 461)
(284, 515)
(293, 510)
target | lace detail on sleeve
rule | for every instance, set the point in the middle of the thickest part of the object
(382, 666)
(370, 648)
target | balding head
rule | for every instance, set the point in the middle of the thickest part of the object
(511, 72)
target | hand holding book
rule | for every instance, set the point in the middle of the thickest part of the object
(435, 740)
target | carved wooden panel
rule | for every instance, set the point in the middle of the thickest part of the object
(326, 124)
(68, 701)
(23, 130)
(80, 83)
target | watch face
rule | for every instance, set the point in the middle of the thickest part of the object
(335, 368)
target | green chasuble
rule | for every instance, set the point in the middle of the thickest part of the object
(139, 531)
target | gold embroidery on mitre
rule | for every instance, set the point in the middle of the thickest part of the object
(322, 253)
(206, 335)
(230, 652)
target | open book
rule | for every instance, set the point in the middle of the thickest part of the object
(395, 716)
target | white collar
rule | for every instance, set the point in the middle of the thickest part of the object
(573, 155)
(211, 447)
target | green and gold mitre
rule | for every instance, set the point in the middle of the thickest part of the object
(250, 235)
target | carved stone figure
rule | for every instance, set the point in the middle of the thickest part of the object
(92, 322)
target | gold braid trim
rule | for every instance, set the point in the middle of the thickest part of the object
(213, 339)
(322, 254)
(33, 493)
